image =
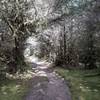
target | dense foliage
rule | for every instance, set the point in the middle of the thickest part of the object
(73, 32)
(68, 32)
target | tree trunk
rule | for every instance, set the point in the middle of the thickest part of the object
(18, 58)
(64, 53)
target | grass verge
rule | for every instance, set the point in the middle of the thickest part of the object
(14, 87)
(84, 85)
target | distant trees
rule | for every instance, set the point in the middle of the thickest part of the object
(89, 53)
(89, 49)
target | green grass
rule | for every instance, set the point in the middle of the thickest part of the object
(84, 85)
(14, 88)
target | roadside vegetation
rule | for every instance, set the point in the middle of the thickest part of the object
(84, 84)
(15, 87)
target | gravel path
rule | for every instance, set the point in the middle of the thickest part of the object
(46, 85)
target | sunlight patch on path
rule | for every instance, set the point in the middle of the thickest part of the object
(41, 73)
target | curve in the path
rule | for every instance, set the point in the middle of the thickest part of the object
(46, 85)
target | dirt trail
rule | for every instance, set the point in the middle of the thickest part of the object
(46, 85)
